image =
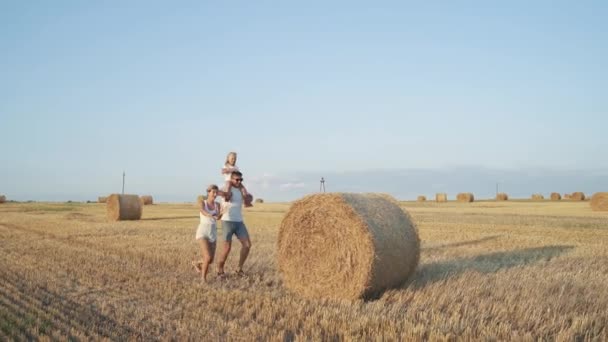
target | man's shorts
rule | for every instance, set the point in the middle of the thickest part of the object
(230, 228)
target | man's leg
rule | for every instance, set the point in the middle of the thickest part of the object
(228, 229)
(245, 248)
(243, 235)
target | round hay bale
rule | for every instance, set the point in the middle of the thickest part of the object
(421, 198)
(555, 196)
(465, 197)
(441, 197)
(567, 196)
(599, 201)
(538, 197)
(102, 199)
(577, 196)
(147, 200)
(2, 199)
(124, 207)
(259, 200)
(346, 246)
(502, 197)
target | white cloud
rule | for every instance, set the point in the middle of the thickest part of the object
(289, 186)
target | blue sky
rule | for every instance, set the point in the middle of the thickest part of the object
(164, 90)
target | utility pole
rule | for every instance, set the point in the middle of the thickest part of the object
(322, 185)
(123, 182)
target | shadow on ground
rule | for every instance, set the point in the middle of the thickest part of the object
(484, 263)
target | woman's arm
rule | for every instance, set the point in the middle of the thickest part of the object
(220, 212)
(205, 212)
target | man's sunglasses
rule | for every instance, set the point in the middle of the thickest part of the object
(238, 179)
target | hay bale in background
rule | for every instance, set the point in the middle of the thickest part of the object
(147, 200)
(102, 199)
(465, 197)
(555, 196)
(567, 196)
(346, 246)
(599, 201)
(538, 197)
(2, 198)
(577, 196)
(421, 198)
(441, 197)
(502, 197)
(124, 207)
(259, 200)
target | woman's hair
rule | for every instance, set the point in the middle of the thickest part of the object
(212, 187)
(228, 158)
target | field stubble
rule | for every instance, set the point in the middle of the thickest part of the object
(489, 270)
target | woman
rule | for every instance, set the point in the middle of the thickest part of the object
(206, 234)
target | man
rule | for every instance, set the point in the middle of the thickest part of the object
(232, 224)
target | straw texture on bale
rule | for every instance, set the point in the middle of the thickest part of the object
(102, 199)
(346, 246)
(259, 200)
(124, 207)
(465, 197)
(2, 198)
(147, 200)
(577, 196)
(538, 197)
(555, 196)
(502, 197)
(441, 197)
(421, 198)
(599, 201)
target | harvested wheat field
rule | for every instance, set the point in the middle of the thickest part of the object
(488, 271)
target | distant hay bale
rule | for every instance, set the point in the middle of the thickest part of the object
(2, 199)
(124, 207)
(346, 246)
(555, 196)
(577, 196)
(441, 197)
(421, 198)
(147, 200)
(567, 196)
(259, 200)
(102, 199)
(465, 197)
(538, 197)
(599, 201)
(502, 197)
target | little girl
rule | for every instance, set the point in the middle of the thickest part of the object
(227, 170)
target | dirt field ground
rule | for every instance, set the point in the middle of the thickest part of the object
(489, 271)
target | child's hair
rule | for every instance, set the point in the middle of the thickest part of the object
(212, 187)
(228, 158)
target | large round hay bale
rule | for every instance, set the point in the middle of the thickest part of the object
(555, 196)
(346, 246)
(577, 196)
(2, 198)
(421, 198)
(502, 197)
(599, 201)
(538, 197)
(102, 199)
(259, 200)
(465, 197)
(441, 197)
(124, 207)
(147, 200)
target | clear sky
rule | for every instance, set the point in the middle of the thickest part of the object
(164, 90)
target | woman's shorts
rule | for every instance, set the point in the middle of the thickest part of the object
(207, 231)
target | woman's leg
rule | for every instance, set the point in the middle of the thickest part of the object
(207, 252)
